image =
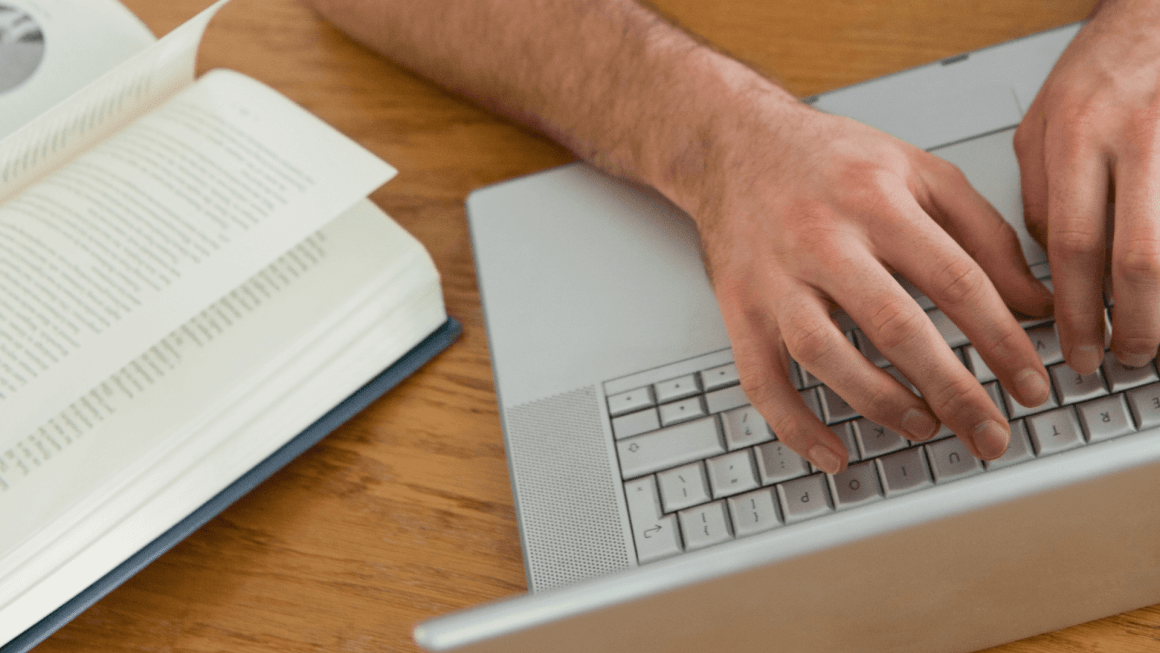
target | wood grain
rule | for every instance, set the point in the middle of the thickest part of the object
(406, 512)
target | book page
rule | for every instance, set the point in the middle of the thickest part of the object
(140, 84)
(200, 397)
(50, 49)
(144, 231)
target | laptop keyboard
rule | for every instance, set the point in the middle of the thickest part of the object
(701, 467)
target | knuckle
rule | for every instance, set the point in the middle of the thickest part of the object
(1079, 119)
(760, 389)
(895, 324)
(1006, 344)
(870, 188)
(1144, 131)
(1073, 241)
(809, 343)
(959, 281)
(953, 398)
(1079, 319)
(1140, 263)
(879, 402)
(950, 172)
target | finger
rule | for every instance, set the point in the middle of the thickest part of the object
(1136, 261)
(1032, 173)
(983, 233)
(763, 365)
(901, 331)
(817, 344)
(1077, 206)
(960, 287)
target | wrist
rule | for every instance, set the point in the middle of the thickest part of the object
(708, 136)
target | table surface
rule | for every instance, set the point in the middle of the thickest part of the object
(406, 512)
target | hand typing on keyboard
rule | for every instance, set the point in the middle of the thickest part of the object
(802, 212)
(825, 223)
(1096, 119)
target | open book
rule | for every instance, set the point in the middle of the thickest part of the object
(191, 277)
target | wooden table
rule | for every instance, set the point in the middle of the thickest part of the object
(406, 512)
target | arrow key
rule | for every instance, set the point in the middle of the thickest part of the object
(656, 537)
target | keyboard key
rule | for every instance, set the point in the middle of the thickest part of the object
(683, 487)
(950, 460)
(705, 525)
(644, 503)
(682, 411)
(807, 380)
(1054, 431)
(1145, 404)
(1016, 410)
(995, 391)
(869, 350)
(753, 512)
(795, 375)
(669, 447)
(720, 377)
(904, 471)
(845, 434)
(1073, 387)
(744, 427)
(976, 365)
(810, 397)
(722, 400)
(1046, 342)
(947, 329)
(875, 440)
(777, 462)
(803, 498)
(1105, 418)
(1122, 378)
(855, 486)
(655, 536)
(732, 473)
(632, 424)
(1018, 450)
(627, 402)
(678, 388)
(834, 408)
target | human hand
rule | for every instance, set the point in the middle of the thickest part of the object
(818, 211)
(1093, 132)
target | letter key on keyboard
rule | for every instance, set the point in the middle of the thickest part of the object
(904, 471)
(1056, 430)
(1105, 418)
(803, 498)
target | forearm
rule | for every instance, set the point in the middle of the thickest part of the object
(608, 79)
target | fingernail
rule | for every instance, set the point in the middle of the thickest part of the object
(1032, 387)
(1085, 359)
(1134, 360)
(919, 424)
(825, 460)
(990, 440)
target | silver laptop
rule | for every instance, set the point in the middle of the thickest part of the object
(659, 513)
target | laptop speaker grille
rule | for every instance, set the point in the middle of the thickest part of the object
(565, 490)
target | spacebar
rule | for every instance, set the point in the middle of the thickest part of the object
(669, 447)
